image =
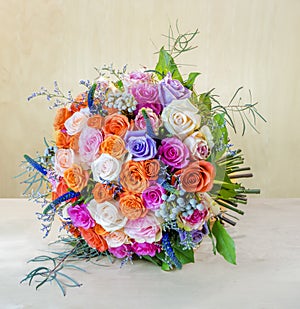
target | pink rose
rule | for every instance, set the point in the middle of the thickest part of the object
(89, 144)
(145, 248)
(146, 229)
(155, 120)
(64, 159)
(194, 221)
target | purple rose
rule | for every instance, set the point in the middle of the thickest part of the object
(171, 89)
(80, 216)
(173, 152)
(147, 96)
(145, 248)
(152, 196)
(121, 252)
(197, 236)
(140, 145)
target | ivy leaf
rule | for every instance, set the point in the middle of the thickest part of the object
(225, 244)
(167, 64)
(191, 80)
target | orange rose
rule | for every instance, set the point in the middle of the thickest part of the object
(133, 177)
(114, 146)
(76, 178)
(116, 124)
(198, 176)
(96, 122)
(102, 193)
(74, 142)
(93, 239)
(61, 116)
(62, 140)
(152, 168)
(81, 101)
(61, 189)
(100, 230)
(131, 206)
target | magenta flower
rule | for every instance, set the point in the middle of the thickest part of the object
(174, 153)
(145, 248)
(152, 196)
(80, 216)
(121, 252)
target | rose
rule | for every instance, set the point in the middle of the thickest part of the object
(140, 145)
(197, 236)
(93, 239)
(102, 193)
(64, 158)
(89, 144)
(62, 139)
(152, 168)
(193, 221)
(172, 89)
(96, 122)
(76, 178)
(121, 252)
(107, 214)
(146, 229)
(116, 239)
(74, 140)
(114, 145)
(173, 152)
(80, 216)
(152, 196)
(106, 167)
(100, 230)
(61, 116)
(80, 102)
(131, 206)
(147, 96)
(116, 124)
(133, 177)
(145, 249)
(76, 122)
(140, 121)
(198, 176)
(198, 146)
(181, 118)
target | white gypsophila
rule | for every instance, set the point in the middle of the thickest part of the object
(181, 118)
(76, 122)
(108, 215)
(64, 159)
(106, 167)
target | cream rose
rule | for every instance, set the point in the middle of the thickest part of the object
(106, 167)
(76, 122)
(64, 159)
(181, 118)
(108, 215)
(116, 239)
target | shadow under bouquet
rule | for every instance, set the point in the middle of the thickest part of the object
(140, 167)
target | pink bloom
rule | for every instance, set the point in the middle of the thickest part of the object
(121, 252)
(145, 248)
(80, 216)
(152, 196)
(155, 120)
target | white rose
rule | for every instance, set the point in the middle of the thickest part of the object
(181, 118)
(76, 122)
(107, 214)
(116, 239)
(197, 145)
(64, 159)
(106, 167)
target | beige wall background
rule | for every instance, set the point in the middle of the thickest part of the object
(254, 44)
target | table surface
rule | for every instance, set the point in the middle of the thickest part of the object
(267, 274)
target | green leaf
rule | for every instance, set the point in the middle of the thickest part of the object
(205, 99)
(184, 256)
(212, 239)
(191, 79)
(165, 266)
(153, 260)
(220, 135)
(225, 244)
(167, 64)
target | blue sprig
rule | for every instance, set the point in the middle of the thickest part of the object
(36, 165)
(65, 197)
(166, 244)
(91, 96)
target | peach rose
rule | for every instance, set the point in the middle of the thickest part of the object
(116, 124)
(100, 230)
(93, 239)
(62, 139)
(116, 239)
(198, 176)
(132, 206)
(74, 139)
(133, 177)
(114, 146)
(61, 116)
(76, 122)
(96, 122)
(102, 193)
(81, 101)
(64, 158)
(76, 178)
(152, 168)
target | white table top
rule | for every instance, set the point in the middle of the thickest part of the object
(267, 275)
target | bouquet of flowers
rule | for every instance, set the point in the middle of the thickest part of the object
(140, 167)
